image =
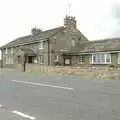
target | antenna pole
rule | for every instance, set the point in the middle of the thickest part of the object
(69, 6)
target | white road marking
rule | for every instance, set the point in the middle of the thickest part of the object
(23, 115)
(1, 105)
(3, 108)
(42, 84)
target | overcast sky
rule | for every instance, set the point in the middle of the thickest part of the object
(96, 19)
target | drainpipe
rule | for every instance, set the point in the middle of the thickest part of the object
(48, 51)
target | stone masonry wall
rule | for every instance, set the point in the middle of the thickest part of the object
(94, 72)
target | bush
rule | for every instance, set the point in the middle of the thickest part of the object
(112, 66)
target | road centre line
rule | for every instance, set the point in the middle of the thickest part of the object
(23, 115)
(18, 113)
(42, 84)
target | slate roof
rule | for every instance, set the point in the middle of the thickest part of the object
(111, 44)
(34, 38)
(105, 45)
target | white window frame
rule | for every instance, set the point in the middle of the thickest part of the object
(41, 45)
(56, 58)
(67, 61)
(10, 60)
(41, 59)
(6, 51)
(35, 60)
(11, 50)
(81, 59)
(101, 60)
(6, 60)
(106, 55)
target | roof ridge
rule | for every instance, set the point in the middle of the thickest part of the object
(113, 38)
(53, 29)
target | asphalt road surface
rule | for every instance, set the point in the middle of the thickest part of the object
(24, 96)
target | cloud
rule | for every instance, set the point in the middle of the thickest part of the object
(97, 19)
(116, 10)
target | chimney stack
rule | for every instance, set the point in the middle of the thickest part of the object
(70, 22)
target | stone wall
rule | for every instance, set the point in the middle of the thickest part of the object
(52, 69)
(94, 72)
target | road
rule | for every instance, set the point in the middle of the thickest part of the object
(33, 97)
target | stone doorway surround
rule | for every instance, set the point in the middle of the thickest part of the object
(25, 55)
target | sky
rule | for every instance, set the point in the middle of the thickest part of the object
(96, 19)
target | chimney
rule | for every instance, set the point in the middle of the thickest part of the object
(36, 31)
(70, 22)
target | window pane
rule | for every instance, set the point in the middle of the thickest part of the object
(81, 59)
(41, 59)
(93, 58)
(11, 50)
(56, 57)
(67, 61)
(73, 42)
(6, 51)
(35, 60)
(101, 58)
(108, 58)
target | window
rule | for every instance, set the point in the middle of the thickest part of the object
(81, 59)
(6, 60)
(101, 58)
(67, 61)
(118, 58)
(55, 39)
(41, 45)
(35, 60)
(73, 42)
(56, 58)
(11, 50)
(10, 60)
(108, 58)
(41, 59)
(6, 51)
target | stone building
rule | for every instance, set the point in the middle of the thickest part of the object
(64, 45)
